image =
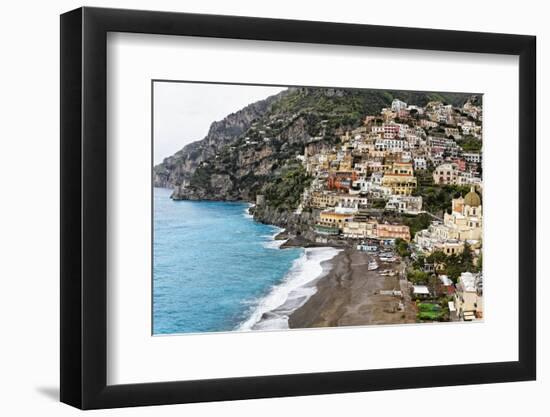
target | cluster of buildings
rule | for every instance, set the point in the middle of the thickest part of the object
(463, 225)
(467, 303)
(465, 297)
(377, 167)
(455, 173)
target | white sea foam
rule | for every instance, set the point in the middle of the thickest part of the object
(272, 311)
(271, 243)
(246, 213)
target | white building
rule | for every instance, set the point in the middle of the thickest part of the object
(446, 174)
(406, 156)
(413, 139)
(468, 298)
(463, 224)
(405, 204)
(468, 178)
(398, 105)
(472, 157)
(420, 163)
(420, 291)
(350, 203)
(393, 144)
(376, 178)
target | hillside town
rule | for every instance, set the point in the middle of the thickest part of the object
(405, 188)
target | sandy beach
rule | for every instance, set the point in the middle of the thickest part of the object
(349, 295)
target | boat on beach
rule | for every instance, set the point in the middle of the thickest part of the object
(387, 257)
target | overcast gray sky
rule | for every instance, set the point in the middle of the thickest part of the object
(183, 112)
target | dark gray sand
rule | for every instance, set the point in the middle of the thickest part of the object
(349, 295)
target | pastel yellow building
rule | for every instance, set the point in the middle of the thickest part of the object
(450, 247)
(400, 179)
(359, 230)
(346, 164)
(332, 223)
(323, 199)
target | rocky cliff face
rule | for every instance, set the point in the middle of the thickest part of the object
(179, 168)
(299, 227)
(255, 150)
(294, 223)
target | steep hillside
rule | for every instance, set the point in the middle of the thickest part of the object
(255, 149)
(180, 167)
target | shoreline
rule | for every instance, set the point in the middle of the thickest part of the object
(349, 295)
(292, 240)
(271, 312)
(342, 292)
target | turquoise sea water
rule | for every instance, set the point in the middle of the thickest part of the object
(213, 265)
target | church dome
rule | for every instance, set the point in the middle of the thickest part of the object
(472, 199)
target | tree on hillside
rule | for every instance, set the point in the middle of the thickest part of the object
(402, 247)
(418, 277)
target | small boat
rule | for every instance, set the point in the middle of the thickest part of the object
(388, 258)
(373, 265)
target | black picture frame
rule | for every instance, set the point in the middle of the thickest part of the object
(84, 207)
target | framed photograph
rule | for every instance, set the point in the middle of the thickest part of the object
(256, 208)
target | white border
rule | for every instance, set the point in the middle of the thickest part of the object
(135, 356)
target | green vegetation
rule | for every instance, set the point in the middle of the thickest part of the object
(416, 223)
(429, 307)
(429, 311)
(255, 153)
(450, 265)
(437, 199)
(201, 177)
(470, 144)
(402, 248)
(424, 177)
(456, 99)
(285, 191)
(342, 108)
(429, 315)
(347, 107)
(479, 263)
(417, 276)
(378, 203)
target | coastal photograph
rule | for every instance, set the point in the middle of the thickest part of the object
(291, 207)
